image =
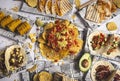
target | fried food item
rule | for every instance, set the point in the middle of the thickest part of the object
(100, 10)
(111, 26)
(89, 14)
(64, 7)
(51, 54)
(35, 78)
(23, 28)
(2, 15)
(114, 8)
(55, 7)
(41, 5)
(48, 6)
(117, 3)
(6, 20)
(77, 3)
(31, 3)
(45, 76)
(59, 39)
(13, 25)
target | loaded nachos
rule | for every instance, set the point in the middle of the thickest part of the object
(59, 39)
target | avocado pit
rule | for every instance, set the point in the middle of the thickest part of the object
(85, 63)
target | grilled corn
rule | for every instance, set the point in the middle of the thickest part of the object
(13, 25)
(6, 20)
(23, 28)
(2, 15)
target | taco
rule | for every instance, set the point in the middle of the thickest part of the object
(96, 41)
(117, 76)
(15, 57)
(101, 70)
(112, 49)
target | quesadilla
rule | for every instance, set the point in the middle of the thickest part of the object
(48, 7)
(41, 5)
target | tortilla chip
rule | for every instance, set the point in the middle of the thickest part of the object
(31, 3)
(41, 40)
(45, 76)
(35, 78)
(48, 26)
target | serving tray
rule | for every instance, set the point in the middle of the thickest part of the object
(103, 28)
(15, 36)
(25, 8)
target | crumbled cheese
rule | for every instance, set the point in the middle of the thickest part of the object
(30, 45)
(32, 36)
(36, 51)
(73, 16)
(15, 9)
(58, 35)
(38, 57)
(64, 31)
(62, 43)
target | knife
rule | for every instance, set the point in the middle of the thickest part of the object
(85, 31)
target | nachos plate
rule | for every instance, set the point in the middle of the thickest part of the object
(59, 39)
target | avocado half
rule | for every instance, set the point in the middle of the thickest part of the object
(85, 62)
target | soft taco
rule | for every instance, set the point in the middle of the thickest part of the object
(101, 70)
(96, 40)
(117, 76)
(15, 57)
(112, 49)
